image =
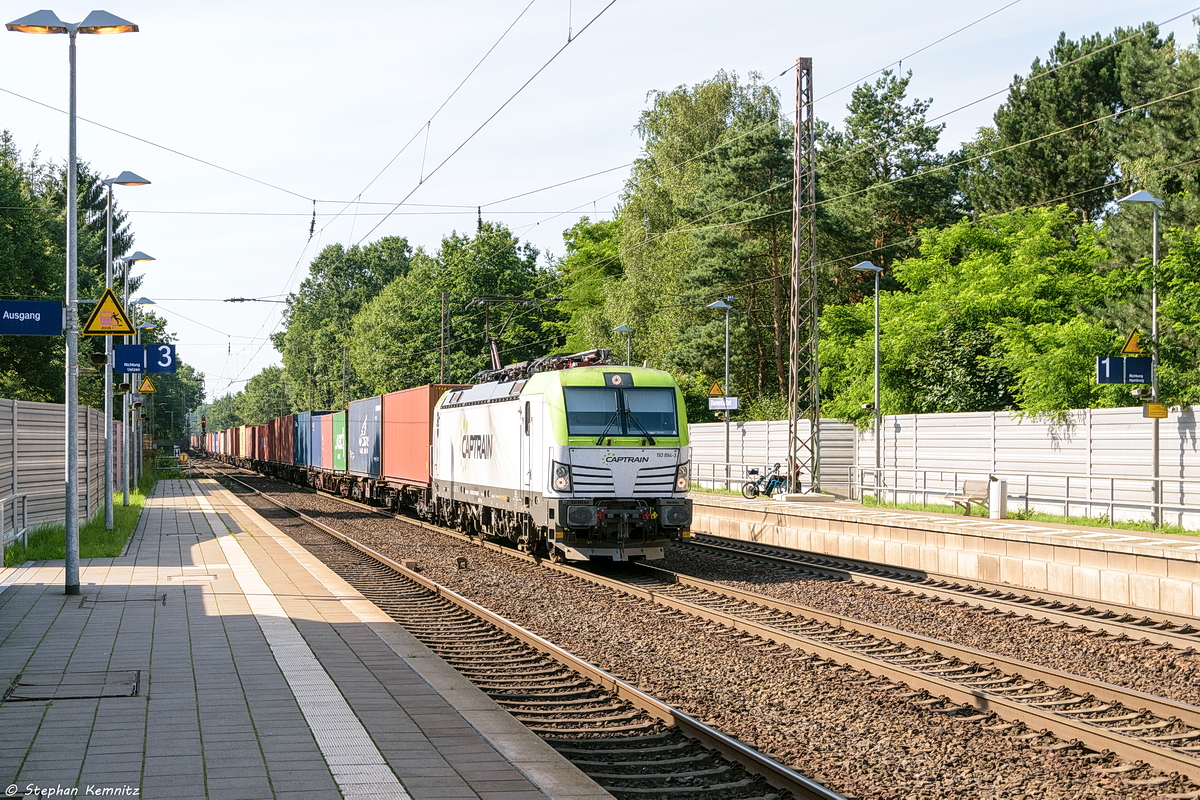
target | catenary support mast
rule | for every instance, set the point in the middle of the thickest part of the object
(804, 399)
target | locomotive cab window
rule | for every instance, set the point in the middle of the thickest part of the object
(609, 411)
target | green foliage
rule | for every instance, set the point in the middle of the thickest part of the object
(262, 400)
(880, 174)
(319, 321)
(978, 328)
(397, 343)
(1045, 145)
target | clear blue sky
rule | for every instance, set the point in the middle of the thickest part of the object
(316, 99)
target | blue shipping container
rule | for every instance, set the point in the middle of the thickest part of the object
(362, 436)
(302, 438)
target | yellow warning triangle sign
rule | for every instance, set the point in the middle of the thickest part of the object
(147, 387)
(715, 390)
(108, 318)
(1133, 345)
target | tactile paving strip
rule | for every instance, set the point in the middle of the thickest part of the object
(358, 767)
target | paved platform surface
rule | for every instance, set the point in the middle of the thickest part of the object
(218, 659)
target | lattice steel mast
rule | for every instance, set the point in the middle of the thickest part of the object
(804, 398)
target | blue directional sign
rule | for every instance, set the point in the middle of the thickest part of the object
(1137, 370)
(129, 358)
(31, 318)
(160, 358)
(1119, 369)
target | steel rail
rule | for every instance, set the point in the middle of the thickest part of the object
(981, 699)
(1188, 635)
(778, 775)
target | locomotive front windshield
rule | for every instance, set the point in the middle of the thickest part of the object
(609, 411)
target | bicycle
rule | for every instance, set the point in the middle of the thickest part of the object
(767, 484)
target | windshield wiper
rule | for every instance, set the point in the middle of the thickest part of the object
(612, 421)
(634, 420)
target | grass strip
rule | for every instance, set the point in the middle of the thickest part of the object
(1101, 521)
(48, 542)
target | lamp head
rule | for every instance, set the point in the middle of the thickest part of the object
(866, 266)
(623, 329)
(144, 301)
(103, 22)
(147, 326)
(719, 304)
(138, 255)
(1141, 196)
(126, 178)
(43, 21)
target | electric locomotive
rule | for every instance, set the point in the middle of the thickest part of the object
(566, 456)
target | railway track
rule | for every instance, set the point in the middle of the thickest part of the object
(1053, 712)
(981, 686)
(631, 744)
(1174, 630)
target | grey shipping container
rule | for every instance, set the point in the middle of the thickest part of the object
(362, 436)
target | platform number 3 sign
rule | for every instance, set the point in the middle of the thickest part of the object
(160, 358)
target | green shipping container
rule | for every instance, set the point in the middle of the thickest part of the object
(339, 441)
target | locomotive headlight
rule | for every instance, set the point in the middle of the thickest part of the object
(682, 473)
(562, 476)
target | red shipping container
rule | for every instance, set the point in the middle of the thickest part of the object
(407, 432)
(281, 446)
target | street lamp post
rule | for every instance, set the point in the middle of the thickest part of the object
(719, 304)
(127, 416)
(1143, 196)
(100, 22)
(625, 329)
(138, 451)
(124, 179)
(867, 266)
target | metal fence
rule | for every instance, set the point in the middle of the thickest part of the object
(760, 445)
(32, 473)
(1096, 462)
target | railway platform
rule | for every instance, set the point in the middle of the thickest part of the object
(216, 658)
(1143, 571)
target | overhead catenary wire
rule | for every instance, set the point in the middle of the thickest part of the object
(1059, 66)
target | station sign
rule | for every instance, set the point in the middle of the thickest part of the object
(129, 358)
(160, 358)
(137, 358)
(31, 318)
(723, 403)
(1123, 370)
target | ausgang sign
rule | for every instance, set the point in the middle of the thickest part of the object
(31, 318)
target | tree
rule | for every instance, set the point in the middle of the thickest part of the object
(318, 320)
(883, 175)
(396, 341)
(262, 400)
(1054, 140)
(990, 319)
(591, 265)
(743, 205)
(31, 367)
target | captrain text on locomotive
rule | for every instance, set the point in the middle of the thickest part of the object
(565, 456)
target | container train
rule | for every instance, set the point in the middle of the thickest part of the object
(568, 456)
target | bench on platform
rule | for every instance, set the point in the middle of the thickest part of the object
(972, 492)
